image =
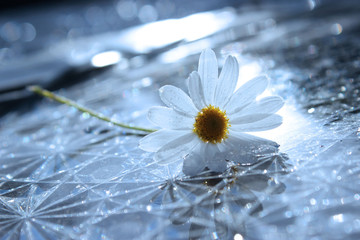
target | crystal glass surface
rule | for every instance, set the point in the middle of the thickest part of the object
(66, 175)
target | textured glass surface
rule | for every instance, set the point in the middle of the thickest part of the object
(64, 174)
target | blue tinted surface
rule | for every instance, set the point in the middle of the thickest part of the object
(64, 174)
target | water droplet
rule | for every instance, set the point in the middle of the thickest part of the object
(29, 32)
(147, 14)
(312, 4)
(338, 218)
(336, 29)
(127, 10)
(215, 235)
(238, 236)
(288, 214)
(357, 197)
(10, 32)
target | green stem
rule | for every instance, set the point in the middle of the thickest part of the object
(64, 100)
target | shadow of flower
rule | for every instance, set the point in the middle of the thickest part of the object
(220, 203)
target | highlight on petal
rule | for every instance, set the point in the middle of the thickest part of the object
(177, 149)
(247, 139)
(196, 91)
(258, 110)
(169, 119)
(240, 154)
(156, 140)
(227, 81)
(245, 149)
(266, 105)
(248, 118)
(178, 100)
(208, 71)
(246, 94)
(268, 123)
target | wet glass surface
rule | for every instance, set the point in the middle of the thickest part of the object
(64, 174)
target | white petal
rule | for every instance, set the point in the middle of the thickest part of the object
(208, 71)
(247, 139)
(227, 81)
(248, 118)
(177, 149)
(169, 119)
(210, 150)
(267, 105)
(246, 158)
(240, 153)
(196, 90)
(245, 148)
(214, 159)
(218, 164)
(193, 164)
(156, 140)
(257, 110)
(178, 100)
(268, 123)
(246, 94)
(222, 147)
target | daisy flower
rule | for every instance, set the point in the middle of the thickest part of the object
(206, 127)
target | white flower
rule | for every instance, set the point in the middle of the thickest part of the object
(208, 127)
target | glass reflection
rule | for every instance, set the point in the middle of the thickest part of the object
(219, 205)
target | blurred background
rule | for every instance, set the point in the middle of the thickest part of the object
(28, 26)
(54, 43)
(57, 43)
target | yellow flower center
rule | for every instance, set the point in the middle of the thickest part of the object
(211, 125)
